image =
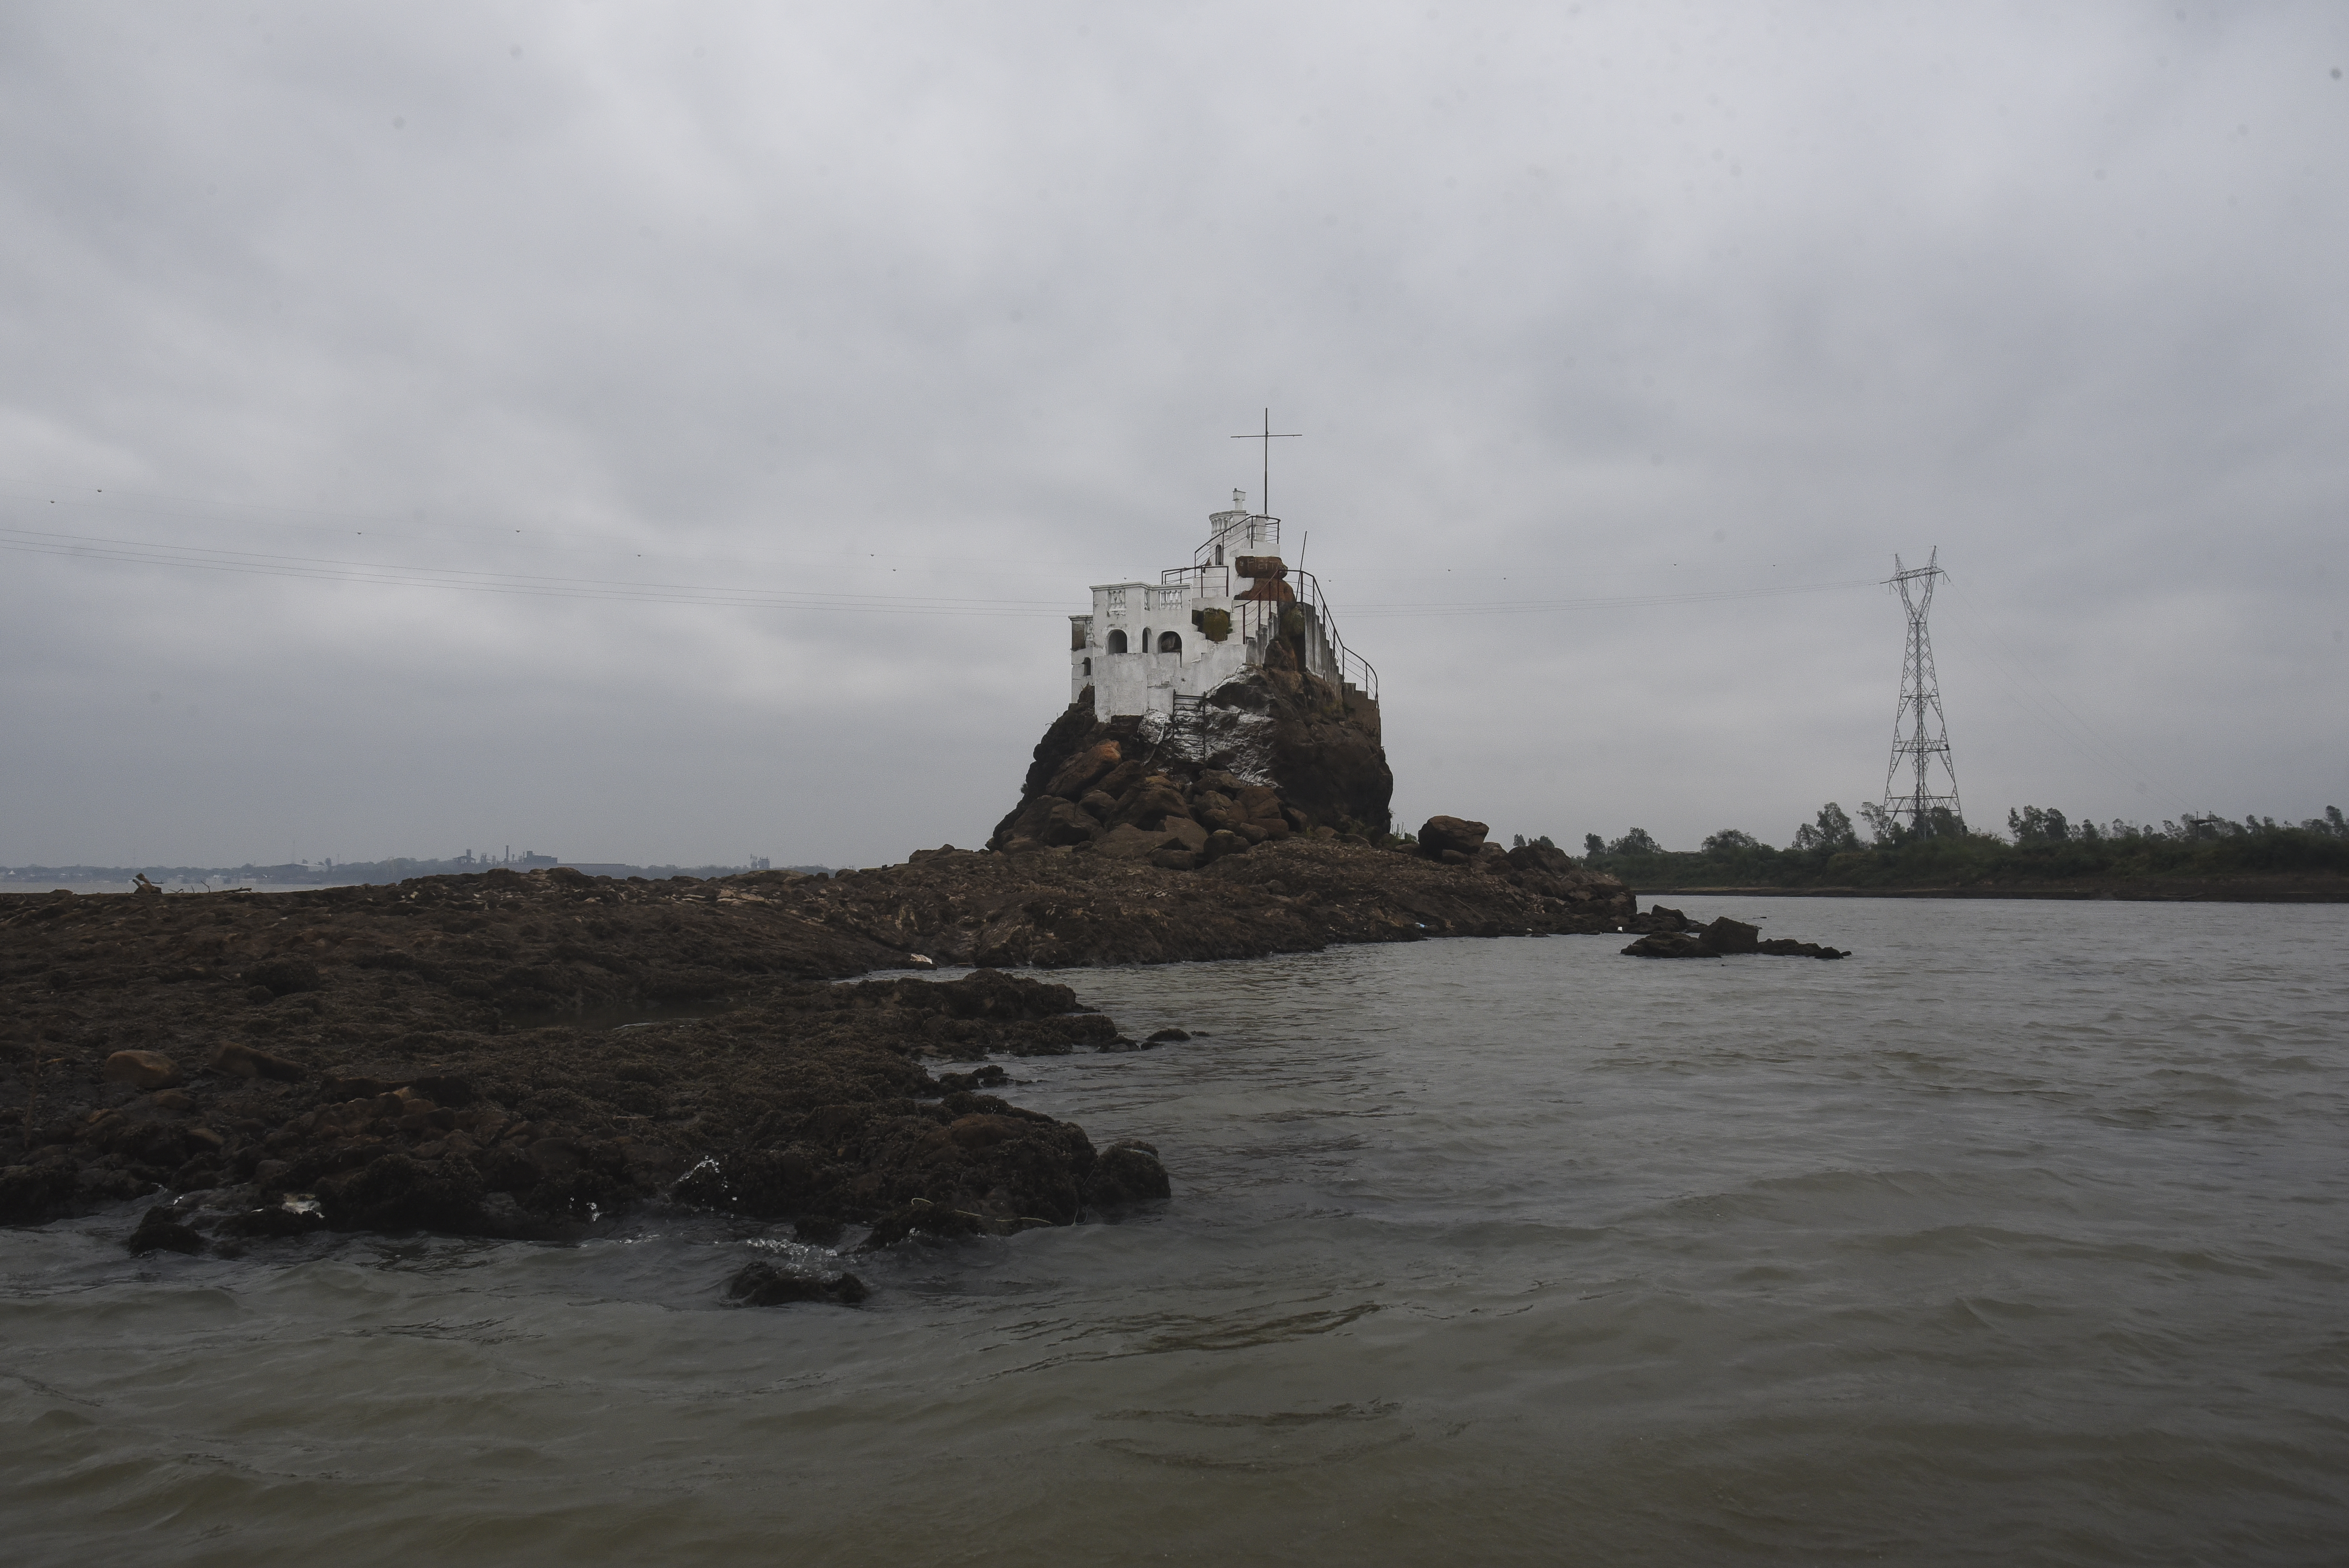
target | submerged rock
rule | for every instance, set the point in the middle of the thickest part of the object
(764, 1284)
(1723, 937)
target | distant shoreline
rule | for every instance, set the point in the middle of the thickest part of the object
(2247, 890)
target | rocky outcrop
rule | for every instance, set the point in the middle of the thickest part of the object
(1271, 753)
(441, 1065)
(1721, 939)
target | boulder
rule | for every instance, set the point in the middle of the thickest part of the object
(1787, 947)
(1727, 935)
(1186, 833)
(141, 1069)
(1084, 770)
(1128, 842)
(245, 1061)
(1489, 857)
(1457, 834)
(1669, 944)
(1222, 843)
(1156, 800)
(764, 1284)
(1067, 824)
(1125, 1173)
(160, 1230)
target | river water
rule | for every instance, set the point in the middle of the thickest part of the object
(2021, 1236)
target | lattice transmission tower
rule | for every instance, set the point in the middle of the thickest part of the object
(1921, 736)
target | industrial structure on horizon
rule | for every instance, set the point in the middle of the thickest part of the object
(1921, 736)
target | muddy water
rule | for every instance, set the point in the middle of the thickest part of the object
(2023, 1236)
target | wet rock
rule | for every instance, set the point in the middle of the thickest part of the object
(1164, 1035)
(1726, 935)
(159, 1230)
(141, 1069)
(1788, 948)
(764, 1284)
(293, 1217)
(1669, 944)
(249, 1061)
(1127, 1173)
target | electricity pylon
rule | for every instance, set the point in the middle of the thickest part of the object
(1920, 733)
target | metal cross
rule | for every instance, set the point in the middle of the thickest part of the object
(1268, 436)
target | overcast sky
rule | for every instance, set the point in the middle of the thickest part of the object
(679, 433)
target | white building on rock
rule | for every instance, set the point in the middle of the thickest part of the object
(1162, 647)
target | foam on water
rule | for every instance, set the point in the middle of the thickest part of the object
(2020, 1236)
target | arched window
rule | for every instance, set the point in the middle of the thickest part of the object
(1089, 668)
(1170, 641)
(1117, 641)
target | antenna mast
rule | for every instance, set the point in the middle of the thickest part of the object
(1920, 733)
(1269, 437)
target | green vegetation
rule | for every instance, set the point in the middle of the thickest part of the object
(2041, 845)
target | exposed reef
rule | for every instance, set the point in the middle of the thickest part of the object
(442, 1056)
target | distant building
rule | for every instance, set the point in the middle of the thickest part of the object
(1159, 647)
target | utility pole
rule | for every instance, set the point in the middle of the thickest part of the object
(1920, 733)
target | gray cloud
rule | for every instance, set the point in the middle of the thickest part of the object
(954, 310)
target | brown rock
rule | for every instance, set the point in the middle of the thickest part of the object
(1154, 803)
(1438, 834)
(1222, 843)
(1186, 833)
(1066, 824)
(1084, 770)
(1260, 802)
(245, 1061)
(1128, 842)
(141, 1069)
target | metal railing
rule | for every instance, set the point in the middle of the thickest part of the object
(1259, 620)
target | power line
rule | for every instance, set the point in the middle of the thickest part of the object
(129, 551)
(1619, 602)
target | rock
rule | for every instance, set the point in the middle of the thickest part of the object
(245, 1061)
(1222, 843)
(1669, 944)
(1085, 769)
(1186, 833)
(1456, 834)
(1127, 1172)
(1128, 842)
(1066, 824)
(1489, 857)
(764, 1284)
(1789, 948)
(1727, 935)
(1156, 801)
(1175, 858)
(293, 1217)
(284, 976)
(160, 1230)
(1164, 1034)
(141, 1069)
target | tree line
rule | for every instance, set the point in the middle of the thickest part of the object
(2040, 844)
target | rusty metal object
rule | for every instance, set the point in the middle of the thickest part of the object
(1271, 590)
(1260, 566)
